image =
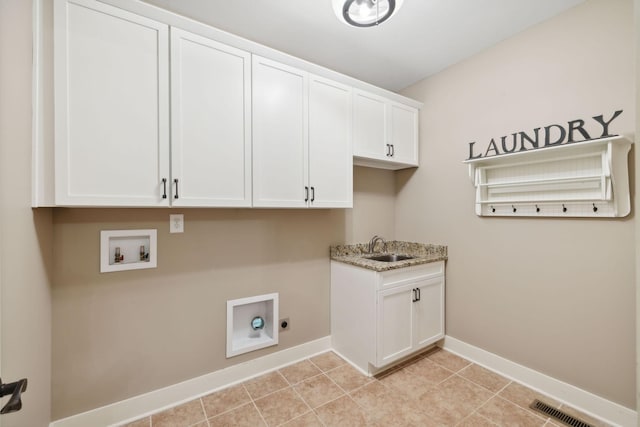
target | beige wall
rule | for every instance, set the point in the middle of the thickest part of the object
(637, 201)
(116, 335)
(25, 235)
(555, 295)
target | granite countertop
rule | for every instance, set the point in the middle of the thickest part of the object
(422, 253)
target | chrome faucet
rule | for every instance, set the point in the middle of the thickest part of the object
(374, 240)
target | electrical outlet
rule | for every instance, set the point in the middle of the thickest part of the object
(176, 223)
(284, 324)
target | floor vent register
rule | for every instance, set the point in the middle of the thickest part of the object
(557, 414)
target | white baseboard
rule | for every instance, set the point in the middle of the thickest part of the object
(158, 400)
(589, 403)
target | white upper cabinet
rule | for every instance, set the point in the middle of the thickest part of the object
(112, 106)
(210, 122)
(280, 135)
(330, 148)
(301, 138)
(385, 132)
(152, 115)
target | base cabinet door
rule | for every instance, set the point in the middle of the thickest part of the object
(428, 318)
(112, 106)
(394, 324)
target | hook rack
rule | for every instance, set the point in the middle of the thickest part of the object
(544, 208)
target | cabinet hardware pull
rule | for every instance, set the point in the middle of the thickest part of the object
(595, 208)
(313, 193)
(176, 182)
(388, 150)
(306, 192)
(419, 296)
(164, 185)
(415, 295)
(393, 150)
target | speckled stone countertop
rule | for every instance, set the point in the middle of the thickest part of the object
(355, 254)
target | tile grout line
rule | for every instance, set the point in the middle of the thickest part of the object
(204, 412)
(259, 413)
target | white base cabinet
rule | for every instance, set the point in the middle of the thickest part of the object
(378, 318)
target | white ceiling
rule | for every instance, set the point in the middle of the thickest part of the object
(424, 37)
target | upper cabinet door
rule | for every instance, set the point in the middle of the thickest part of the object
(280, 135)
(330, 148)
(210, 122)
(112, 106)
(369, 126)
(403, 131)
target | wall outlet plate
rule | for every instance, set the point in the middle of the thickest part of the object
(285, 324)
(176, 223)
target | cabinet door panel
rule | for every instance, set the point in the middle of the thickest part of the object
(404, 134)
(211, 122)
(280, 134)
(394, 324)
(330, 152)
(111, 103)
(429, 312)
(369, 126)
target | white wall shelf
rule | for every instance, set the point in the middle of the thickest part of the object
(580, 179)
(128, 250)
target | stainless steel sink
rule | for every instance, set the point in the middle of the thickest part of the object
(389, 257)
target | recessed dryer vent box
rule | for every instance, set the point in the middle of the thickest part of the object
(128, 250)
(251, 323)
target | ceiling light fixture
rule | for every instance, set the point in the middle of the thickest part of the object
(365, 13)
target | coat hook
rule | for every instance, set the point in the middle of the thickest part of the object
(564, 208)
(514, 209)
(595, 208)
(537, 208)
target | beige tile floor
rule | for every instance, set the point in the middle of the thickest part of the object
(436, 388)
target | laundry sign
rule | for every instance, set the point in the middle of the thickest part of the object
(542, 137)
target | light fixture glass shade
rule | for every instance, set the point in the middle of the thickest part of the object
(365, 13)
